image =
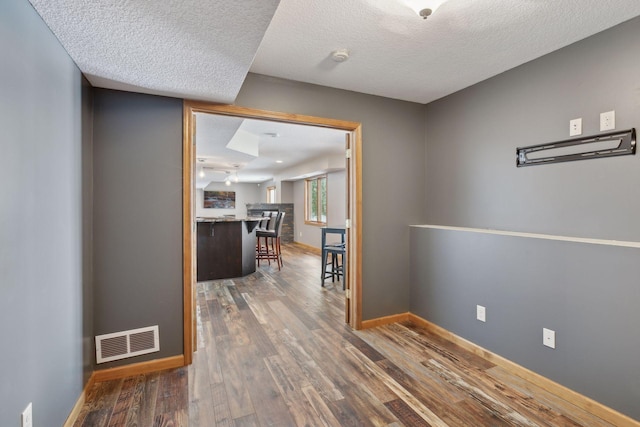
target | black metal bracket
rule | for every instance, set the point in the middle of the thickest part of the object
(621, 143)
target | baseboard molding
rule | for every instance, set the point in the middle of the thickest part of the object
(138, 368)
(395, 318)
(308, 248)
(73, 416)
(598, 409)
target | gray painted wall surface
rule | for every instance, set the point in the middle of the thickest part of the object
(138, 217)
(41, 269)
(88, 341)
(393, 151)
(472, 180)
(588, 294)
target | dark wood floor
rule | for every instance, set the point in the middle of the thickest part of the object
(273, 350)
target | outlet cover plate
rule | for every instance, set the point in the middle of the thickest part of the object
(481, 313)
(549, 337)
(27, 417)
(575, 127)
(608, 120)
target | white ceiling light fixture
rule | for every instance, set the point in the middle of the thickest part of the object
(235, 174)
(227, 179)
(424, 8)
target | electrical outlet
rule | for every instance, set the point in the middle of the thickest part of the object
(608, 120)
(481, 313)
(575, 127)
(27, 417)
(549, 337)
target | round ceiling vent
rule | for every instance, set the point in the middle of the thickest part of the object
(340, 55)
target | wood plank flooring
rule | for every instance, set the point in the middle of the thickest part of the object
(273, 351)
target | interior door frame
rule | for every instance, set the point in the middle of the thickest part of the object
(353, 294)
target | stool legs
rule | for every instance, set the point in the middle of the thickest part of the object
(337, 268)
(270, 250)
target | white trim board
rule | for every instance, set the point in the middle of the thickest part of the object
(604, 242)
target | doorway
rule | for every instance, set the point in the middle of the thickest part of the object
(353, 274)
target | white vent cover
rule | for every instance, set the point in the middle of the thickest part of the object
(120, 345)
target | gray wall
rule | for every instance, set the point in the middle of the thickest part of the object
(393, 147)
(88, 341)
(138, 217)
(588, 294)
(472, 136)
(41, 268)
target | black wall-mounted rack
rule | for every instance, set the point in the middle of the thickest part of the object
(621, 143)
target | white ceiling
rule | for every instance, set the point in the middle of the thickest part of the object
(203, 49)
(182, 48)
(396, 54)
(302, 150)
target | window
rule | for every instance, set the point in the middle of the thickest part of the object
(271, 194)
(315, 196)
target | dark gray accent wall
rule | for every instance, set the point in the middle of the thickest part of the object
(41, 233)
(472, 180)
(138, 217)
(393, 153)
(588, 294)
(88, 342)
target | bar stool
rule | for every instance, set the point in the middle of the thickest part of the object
(271, 249)
(337, 251)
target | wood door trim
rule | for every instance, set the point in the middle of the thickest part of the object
(187, 233)
(354, 262)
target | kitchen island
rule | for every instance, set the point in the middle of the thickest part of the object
(226, 247)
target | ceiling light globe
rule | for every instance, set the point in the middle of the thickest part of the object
(424, 8)
(425, 13)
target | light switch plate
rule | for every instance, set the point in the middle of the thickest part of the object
(27, 417)
(608, 120)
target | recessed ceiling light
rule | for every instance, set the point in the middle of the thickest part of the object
(278, 161)
(272, 134)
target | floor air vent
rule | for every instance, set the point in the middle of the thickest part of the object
(120, 345)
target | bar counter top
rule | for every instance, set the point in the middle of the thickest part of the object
(227, 219)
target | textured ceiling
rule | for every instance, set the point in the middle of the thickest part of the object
(184, 48)
(396, 54)
(203, 49)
